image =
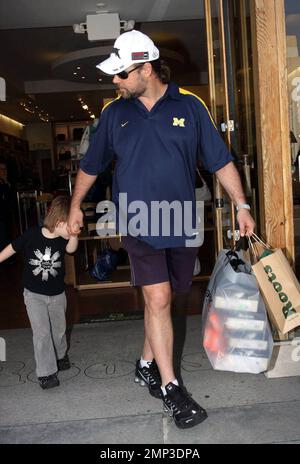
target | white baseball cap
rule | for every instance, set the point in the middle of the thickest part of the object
(129, 48)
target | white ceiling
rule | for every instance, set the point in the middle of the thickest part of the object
(35, 35)
(17, 14)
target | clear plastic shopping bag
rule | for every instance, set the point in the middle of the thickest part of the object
(202, 193)
(236, 332)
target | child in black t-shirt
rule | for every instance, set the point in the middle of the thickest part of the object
(44, 249)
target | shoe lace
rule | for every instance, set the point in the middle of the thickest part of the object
(180, 400)
(154, 375)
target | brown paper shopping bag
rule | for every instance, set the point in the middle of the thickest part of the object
(280, 288)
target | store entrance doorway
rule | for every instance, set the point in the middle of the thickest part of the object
(232, 102)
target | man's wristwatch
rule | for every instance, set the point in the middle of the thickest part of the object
(242, 206)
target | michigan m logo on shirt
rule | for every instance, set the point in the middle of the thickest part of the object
(179, 122)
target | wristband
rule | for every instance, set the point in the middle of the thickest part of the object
(242, 206)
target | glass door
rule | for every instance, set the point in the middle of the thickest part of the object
(231, 100)
(237, 25)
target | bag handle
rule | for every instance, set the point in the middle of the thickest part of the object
(234, 260)
(253, 241)
(232, 253)
(253, 253)
(202, 180)
(257, 239)
(238, 244)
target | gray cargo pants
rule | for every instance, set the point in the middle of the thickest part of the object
(48, 323)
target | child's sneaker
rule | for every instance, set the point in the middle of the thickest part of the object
(49, 381)
(184, 410)
(149, 376)
(64, 363)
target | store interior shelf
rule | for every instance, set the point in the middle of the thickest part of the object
(119, 278)
(67, 138)
(68, 142)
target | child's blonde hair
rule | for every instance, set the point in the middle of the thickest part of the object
(57, 212)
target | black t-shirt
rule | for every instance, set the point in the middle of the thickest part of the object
(44, 261)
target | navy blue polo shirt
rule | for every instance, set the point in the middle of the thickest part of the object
(156, 153)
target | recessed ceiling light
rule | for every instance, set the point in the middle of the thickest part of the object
(85, 107)
(100, 4)
(93, 116)
(75, 73)
(82, 77)
(100, 79)
(78, 67)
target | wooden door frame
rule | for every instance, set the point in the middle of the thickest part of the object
(272, 124)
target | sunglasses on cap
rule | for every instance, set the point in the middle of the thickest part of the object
(124, 74)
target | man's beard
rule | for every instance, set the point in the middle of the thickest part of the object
(127, 95)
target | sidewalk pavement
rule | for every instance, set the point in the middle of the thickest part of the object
(98, 402)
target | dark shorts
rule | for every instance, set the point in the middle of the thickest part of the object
(151, 266)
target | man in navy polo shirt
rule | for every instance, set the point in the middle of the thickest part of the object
(156, 132)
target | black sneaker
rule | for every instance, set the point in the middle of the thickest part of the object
(149, 376)
(179, 404)
(64, 363)
(49, 381)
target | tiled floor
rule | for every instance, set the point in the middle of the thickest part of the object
(87, 305)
